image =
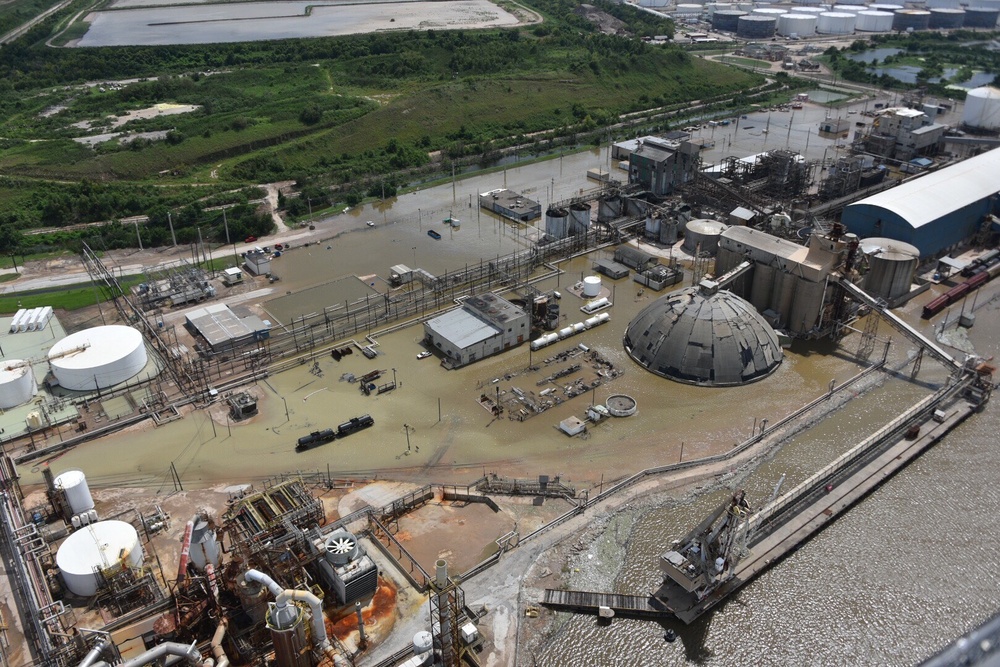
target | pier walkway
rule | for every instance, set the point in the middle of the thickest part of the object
(624, 606)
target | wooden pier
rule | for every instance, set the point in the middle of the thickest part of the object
(624, 606)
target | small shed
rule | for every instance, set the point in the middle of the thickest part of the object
(232, 276)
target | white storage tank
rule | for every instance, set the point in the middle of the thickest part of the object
(946, 18)
(423, 642)
(769, 11)
(73, 485)
(97, 358)
(591, 286)
(982, 108)
(688, 9)
(891, 265)
(802, 25)
(874, 21)
(702, 236)
(848, 9)
(815, 11)
(858, 4)
(884, 7)
(17, 383)
(98, 548)
(836, 23)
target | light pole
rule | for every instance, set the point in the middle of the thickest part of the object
(407, 427)
(414, 249)
(287, 418)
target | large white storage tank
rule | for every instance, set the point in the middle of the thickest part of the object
(591, 286)
(835, 23)
(884, 7)
(97, 358)
(768, 11)
(688, 9)
(848, 9)
(802, 25)
(17, 383)
(874, 21)
(982, 109)
(815, 11)
(74, 487)
(99, 547)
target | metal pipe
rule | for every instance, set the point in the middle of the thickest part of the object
(282, 598)
(213, 584)
(95, 653)
(221, 659)
(185, 550)
(189, 653)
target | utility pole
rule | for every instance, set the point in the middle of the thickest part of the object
(170, 221)
(225, 223)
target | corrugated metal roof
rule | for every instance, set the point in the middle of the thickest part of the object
(927, 198)
(462, 328)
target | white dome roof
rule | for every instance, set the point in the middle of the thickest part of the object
(99, 546)
(97, 358)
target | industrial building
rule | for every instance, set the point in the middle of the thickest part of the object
(901, 134)
(934, 212)
(510, 204)
(258, 262)
(703, 335)
(661, 166)
(483, 326)
(223, 329)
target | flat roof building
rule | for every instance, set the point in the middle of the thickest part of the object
(511, 205)
(933, 212)
(223, 329)
(661, 166)
(483, 326)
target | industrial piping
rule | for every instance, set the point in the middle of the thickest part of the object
(189, 653)
(281, 599)
(221, 659)
(95, 653)
(185, 549)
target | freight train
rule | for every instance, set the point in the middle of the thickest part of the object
(328, 435)
(981, 271)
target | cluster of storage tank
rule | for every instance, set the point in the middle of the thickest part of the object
(31, 319)
(571, 330)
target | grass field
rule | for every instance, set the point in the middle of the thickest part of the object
(65, 298)
(18, 12)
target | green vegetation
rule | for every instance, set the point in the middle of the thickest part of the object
(18, 12)
(66, 299)
(344, 118)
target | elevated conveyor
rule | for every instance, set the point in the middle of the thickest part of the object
(899, 325)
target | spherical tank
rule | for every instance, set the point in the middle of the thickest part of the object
(756, 26)
(982, 108)
(557, 223)
(591, 286)
(97, 548)
(874, 21)
(981, 17)
(727, 20)
(702, 236)
(802, 25)
(891, 265)
(835, 23)
(911, 19)
(680, 336)
(946, 18)
(73, 484)
(97, 358)
(17, 383)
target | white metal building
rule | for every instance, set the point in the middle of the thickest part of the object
(484, 325)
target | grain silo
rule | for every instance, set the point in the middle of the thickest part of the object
(756, 26)
(557, 223)
(17, 383)
(891, 265)
(801, 25)
(702, 236)
(981, 17)
(911, 19)
(946, 18)
(982, 109)
(836, 23)
(874, 21)
(100, 549)
(727, 20)
(97, 358)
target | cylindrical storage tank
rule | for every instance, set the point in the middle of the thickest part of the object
(755, 26)
(73, 485)
(891, 265)
(565, 332)
(423, 642)
(768, 11)
(702, 236)
(911, 19)
(802, 25)
(854, 3)
(653, 223)
(982, 108)
(557, 223)
(835, 23)
(288, 633)
(884, 7)
(815, 11)
(579, 215)
(806, 304)
(946, 18)
(204, 546)
(688, 9)
(591, 286)
(592, 321)
(103, 546)
(17, 383)
(848, 9)
(981, 17)
(943, 4)
(727, 20)
(609, 208)
(97, 358)
(874, 21)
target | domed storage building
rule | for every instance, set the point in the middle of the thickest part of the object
(97, 358)
(701, 336)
